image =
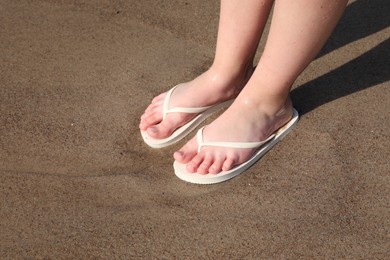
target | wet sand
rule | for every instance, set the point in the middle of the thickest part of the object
(76, 180)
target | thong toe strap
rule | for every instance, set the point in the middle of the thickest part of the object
(242, 145)
(190, 110)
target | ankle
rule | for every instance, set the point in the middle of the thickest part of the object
(286, 110)
(230, 80)
(270, 105)
(233, 71)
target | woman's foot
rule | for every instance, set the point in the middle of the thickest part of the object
(210, 88)
(247, 120)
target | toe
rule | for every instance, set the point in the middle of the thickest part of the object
(187, 152)
(153, 113)
(148, 120)
(154, 106)
(193, 165)
(228, 164)
(161, 130)
(216, 167)
(204, 167)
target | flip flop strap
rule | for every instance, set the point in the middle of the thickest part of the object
(242, 145)
(190, 110)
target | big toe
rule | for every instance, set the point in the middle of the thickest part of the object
(148, 120)
(158, 131)
(161, 130)
(187, 152)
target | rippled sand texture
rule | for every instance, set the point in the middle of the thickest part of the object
(76, 180)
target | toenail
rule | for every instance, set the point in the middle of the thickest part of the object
(180, 153)
(153, 129)
(191, 168)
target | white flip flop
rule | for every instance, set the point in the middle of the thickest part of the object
(181, 132)
(263, 147)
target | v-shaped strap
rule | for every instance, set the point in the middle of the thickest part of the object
(190, 110)
(201, 143)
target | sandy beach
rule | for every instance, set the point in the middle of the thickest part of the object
(77, 181)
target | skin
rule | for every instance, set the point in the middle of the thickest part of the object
(230, 71)
(298, 31)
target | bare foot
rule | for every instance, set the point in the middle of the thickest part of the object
(244, 121)
(211, 87)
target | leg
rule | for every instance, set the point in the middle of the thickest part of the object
(298, 31)
(240, 28)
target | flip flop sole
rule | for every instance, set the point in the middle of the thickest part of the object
(183, 174)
